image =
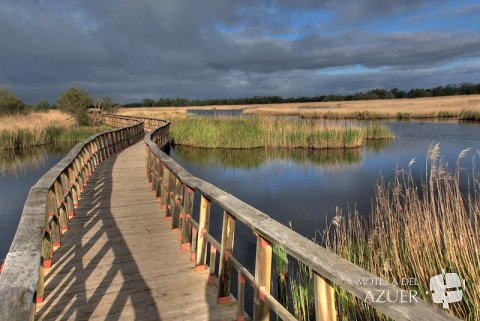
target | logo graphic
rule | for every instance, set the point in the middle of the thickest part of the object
(446, 288)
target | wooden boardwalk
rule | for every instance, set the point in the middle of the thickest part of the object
(119, 260)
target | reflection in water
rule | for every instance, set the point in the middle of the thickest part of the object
(216, 112)
(18, 162)
(19, 171)
(254, 158)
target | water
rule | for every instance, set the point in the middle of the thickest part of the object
(215, 112)
(305, 187)
(299, 187)
(18, 172)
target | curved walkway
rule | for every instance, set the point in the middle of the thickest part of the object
(119, 259)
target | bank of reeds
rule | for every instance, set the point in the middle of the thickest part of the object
(415, 230)
(256, 132)
(36, 129)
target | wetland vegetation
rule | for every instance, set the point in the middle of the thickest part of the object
(255, 132)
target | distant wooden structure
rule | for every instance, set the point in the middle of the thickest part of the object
(115, 257)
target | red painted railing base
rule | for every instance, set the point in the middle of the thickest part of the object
(1, 266)
(240, 318)
(39, 299)
(224, 300)
(211, 280)
(47, 263)
(185, 247)
(200, 268)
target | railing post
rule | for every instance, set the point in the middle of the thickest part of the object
(226, 251)
(165, 182)
(188, 209)
(170, 196)
(159, 170)
(177, 200)
(203, 225)
(211, 266)
(241, 298)
(39, 296)
(325, 309)
(263, 271)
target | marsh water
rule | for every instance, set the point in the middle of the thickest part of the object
(301, 187)
(19, 171)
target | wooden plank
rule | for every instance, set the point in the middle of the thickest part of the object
(124, 261)
(263, 272)
(325, 309)
(226, 251)
(204, 223)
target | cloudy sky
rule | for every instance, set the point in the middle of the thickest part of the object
(220, 48)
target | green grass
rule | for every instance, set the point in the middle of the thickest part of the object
(243, 132)
(26, 137)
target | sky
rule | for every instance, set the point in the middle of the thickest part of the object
(131, 50)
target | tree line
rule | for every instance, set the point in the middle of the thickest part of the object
(73, 101)
(77, 101)
(394, 93)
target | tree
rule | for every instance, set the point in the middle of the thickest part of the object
(106, 105)
(42, 105)
(75, 102)
(10, 104)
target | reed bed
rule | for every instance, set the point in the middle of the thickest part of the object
(36, 129)
(258, 132)
(454, 107)
(415, 231)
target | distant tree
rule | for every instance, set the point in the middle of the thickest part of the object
(147, 102)
(10, 104)
(42, 105)
(75, 102)
(106, 105)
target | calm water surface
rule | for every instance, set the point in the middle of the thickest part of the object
(300, 187)
(215, 112)
(18, 172)
(303, 188)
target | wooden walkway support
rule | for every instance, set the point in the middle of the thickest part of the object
(120, 260)
(96, 242)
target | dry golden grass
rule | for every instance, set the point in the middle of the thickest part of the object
(450, 106)
(35, 129)
(415, 230)
(386, 108)
(36, 121)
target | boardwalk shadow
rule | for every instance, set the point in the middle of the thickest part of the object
(95, 276)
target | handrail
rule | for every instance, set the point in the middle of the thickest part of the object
(49, 207)
(52, 201)
(175, 186)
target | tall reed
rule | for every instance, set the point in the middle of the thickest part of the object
(42, 128)
(415, 230)
(281, 272)
(252, 132)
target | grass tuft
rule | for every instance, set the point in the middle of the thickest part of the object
(253, 132)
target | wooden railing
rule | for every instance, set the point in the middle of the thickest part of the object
(51, 204)
(46, 215)
(176, 186)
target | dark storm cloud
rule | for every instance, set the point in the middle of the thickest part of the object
(216, 48)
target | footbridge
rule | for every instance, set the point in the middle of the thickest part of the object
(111, 233)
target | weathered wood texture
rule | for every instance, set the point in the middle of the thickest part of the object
(46, 215)
(120, 260)
(333, 269)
